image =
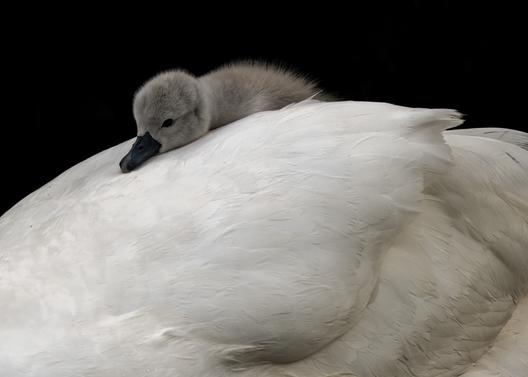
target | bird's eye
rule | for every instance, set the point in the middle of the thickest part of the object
(167, 123)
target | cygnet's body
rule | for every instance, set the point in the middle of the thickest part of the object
(175, 108)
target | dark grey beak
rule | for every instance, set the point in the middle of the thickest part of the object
(144, 148)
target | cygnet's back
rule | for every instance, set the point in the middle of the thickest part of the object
(240, 89)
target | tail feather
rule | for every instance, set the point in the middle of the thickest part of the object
(508, 136)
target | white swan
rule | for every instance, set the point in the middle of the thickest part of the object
(321, 240)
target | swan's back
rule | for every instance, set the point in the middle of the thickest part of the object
(256, 251)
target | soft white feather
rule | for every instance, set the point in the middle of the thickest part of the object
(509, 136)
(324, 239)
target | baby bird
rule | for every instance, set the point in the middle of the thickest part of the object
(175, 108)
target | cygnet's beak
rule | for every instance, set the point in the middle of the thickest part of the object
(144, 148)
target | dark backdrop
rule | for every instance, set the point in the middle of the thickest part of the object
(88, 64)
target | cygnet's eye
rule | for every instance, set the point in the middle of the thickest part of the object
(167, 123)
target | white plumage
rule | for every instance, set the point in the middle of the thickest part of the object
(321, 240)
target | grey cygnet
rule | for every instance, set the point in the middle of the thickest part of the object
(175, 108)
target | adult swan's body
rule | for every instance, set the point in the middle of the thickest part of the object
(337, 239)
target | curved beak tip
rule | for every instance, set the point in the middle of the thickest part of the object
(144, 148)
(124, 166)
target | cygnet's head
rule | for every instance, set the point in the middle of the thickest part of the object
(170, 111)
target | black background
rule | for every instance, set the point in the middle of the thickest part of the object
(84, 67)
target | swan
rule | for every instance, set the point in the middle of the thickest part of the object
(175, 108)
(324, 239)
